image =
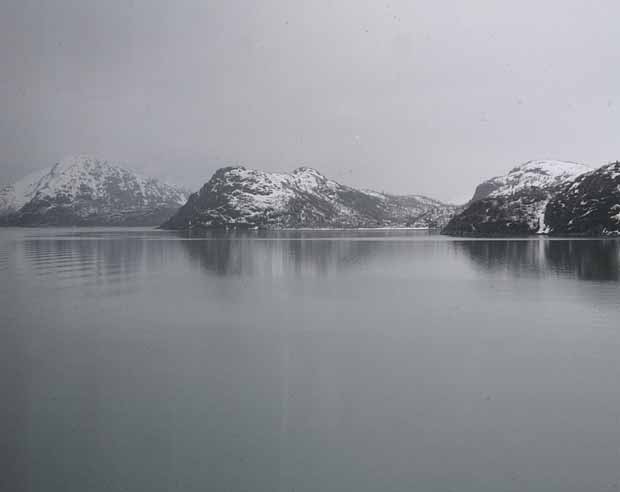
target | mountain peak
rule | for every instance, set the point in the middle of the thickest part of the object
(538, 174)
(302, 198)
(306, 170)
(515, 202)
(551, 167)
(225, 169)
(83, 190)
(80, 161)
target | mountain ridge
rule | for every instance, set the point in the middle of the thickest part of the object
(83, 190)
(515, 203)
(236, 196)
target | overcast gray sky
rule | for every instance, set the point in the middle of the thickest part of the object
(396, 95)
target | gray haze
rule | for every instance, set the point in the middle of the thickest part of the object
(397, 95)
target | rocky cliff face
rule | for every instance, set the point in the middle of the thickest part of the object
(514, 204)
(240, 197)
(590, 206)
(82, 191)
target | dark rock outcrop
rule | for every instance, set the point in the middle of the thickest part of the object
(590, 206)
(514, 204)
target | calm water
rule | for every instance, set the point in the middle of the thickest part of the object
(140, 360)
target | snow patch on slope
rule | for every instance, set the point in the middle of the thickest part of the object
(541, 174)
(15, 196)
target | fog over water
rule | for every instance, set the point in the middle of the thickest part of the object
(402, 96)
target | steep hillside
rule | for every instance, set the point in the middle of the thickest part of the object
(514, 204)
(590, 206)
(240, 197)
(86, 191)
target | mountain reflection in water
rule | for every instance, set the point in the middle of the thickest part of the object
(596, 260)
(137, 359)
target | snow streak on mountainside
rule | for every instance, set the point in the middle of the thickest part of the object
(86, 191)
(240, 197)
(15, 196)
(590, 206)
(515, 203)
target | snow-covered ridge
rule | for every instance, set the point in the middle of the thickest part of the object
(86, 187)
(542, 174)
(258, 190)
(240, 197)
(515, 203)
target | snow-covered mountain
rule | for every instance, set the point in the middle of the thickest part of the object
(590, 206)
(240, 197)
(532, 174)
(515, 203)
(86, 191)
